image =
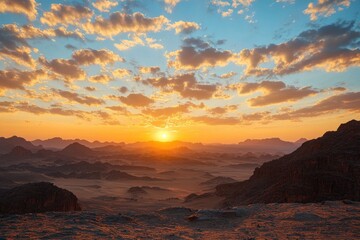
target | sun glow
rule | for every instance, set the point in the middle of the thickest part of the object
(163, 136)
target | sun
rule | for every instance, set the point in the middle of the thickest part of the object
(163, 136)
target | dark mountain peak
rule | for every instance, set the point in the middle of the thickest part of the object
(326, 168)
(352, 126)
(76, 149)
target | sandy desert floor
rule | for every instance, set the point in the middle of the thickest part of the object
(328, 220)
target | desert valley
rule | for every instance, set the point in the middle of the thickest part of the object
(178, 190)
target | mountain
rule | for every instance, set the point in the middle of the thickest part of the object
(37, 197)
(269, 145)
(76, 150)
(59, 143)
(326, 168)
(8, 144)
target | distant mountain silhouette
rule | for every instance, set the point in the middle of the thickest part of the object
(326, 168)
(7, 144)
(76, 150)
(18, 152)
(59, 143)
(272, 145)
(36, 198)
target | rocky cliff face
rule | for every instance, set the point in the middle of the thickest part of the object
(327, 168)
(36, 198)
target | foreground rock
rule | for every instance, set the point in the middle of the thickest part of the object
(327, 168)
(37, 198)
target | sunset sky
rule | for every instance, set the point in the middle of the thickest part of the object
(190, 70)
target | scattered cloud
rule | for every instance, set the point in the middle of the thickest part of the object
(91, 56)
(136, 100)
(170, 4)
(16, 79)
(184, 27)
(195, 54)
(68, 69)
(104, 5)
(274, 92)
(329, 48)
(184, 84)
(65, 14)
(75, 97)
(26, 7)
(138, 39)
(125, 23)
(325, 8)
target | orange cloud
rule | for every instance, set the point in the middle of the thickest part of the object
(136, 100)
(184, 27)
(91, 56)
(67, 69)
(275, 92)
(147, 70)
(329, 48)
(216, 120)
(26, 7)
(104, 5)
(122, 22)
(100, 78)
(186, 85)
(16, 79)
(197, 54)
(75, 97)
(325, 8)
(64, 15)
(170, 4)
(121, 73)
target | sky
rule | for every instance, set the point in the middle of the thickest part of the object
(213, 71)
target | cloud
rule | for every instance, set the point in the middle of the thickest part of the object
(136, 100)
(171, 111)
(90, 89)
(170, 4)
(75, 97)
(138, 39)
(100, 78)
(69, 69)
(216, 120)
(349, 101)
(20, 55)
(16, 79)
(325, 8)
(149, 70)
(26, 7)
(226, 8)
(65, 14)
(222, 110)
(121, 72)
(197, 54)
(330, 47)
(184, 27)
(225, 75)
(123, 89)
(125, 23)
(92, 56)
(184, 84)
(104, 5)
(274, 92)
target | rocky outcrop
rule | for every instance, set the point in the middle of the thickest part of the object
(327, 168)
(37, 198)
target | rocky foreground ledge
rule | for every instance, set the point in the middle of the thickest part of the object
(327, 220)
(37, 198)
